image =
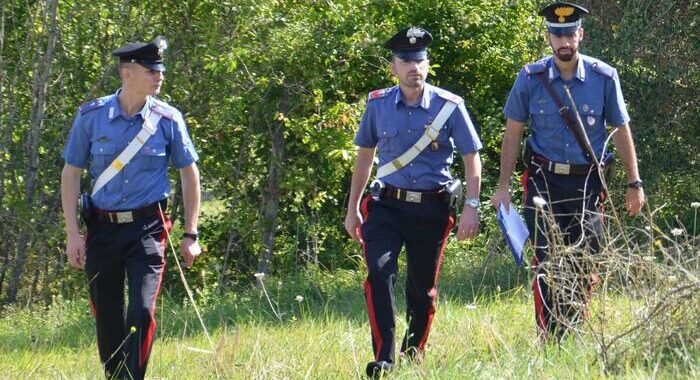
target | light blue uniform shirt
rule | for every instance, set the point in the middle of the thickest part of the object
(598, 96)
(393, 127)
(101, 132)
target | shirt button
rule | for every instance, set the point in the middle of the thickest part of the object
(123, 199)
(411, 164)
(410, 112)
(414, 181)
(384, 133)
(567, 161)
(126, 181)
(567, 145)
(409, 131)
(101, 150)
(541, 111)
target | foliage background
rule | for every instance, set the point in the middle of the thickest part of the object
(273, 92)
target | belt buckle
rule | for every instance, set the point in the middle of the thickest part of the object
(563, 169)
(124, 217)
(413, 196)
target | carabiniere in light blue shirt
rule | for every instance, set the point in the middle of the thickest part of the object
(392, 126)
(100, 132)
(598, 95)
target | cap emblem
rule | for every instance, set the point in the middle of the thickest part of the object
(412, 33)
(563, 13)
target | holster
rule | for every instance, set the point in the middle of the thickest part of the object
(85, 207)
(455, 193)
(608, 163)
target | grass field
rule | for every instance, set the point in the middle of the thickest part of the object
(484, 328)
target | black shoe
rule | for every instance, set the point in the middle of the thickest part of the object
(412, 355)
(376, 370)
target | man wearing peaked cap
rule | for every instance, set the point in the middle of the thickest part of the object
(146, 54)
(561, 157)
(414, 128)
(563, 18)
(126, 141)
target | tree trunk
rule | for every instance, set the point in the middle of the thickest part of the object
(36, 122)
(271, 195)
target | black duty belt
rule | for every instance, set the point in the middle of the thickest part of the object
(129, 216)
(559, 168)
(412, 196)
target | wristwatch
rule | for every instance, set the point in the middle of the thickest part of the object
(472, 202)
(638, 184)
(192, 235)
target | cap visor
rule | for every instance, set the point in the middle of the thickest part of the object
(563, 30)
(412, 55)
(153, 66)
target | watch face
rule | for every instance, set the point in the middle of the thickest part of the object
(473, 203)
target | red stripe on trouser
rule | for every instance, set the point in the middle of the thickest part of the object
(147, 343)
(540, 317)
(433, 290)
(368, 287)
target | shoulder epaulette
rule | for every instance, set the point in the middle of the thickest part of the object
(162, 108)
(449, 96)
(536, 68)
(603, 68)
(376, 94)
(92, 105)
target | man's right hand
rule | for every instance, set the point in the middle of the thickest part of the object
(501, 196)
(75, 248)
(353, 221)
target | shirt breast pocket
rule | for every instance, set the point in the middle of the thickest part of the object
(153, 156)
(591, 114)
(387, 136)
(545, 115)
(102, 155)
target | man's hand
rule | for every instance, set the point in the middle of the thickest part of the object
(468, 223)
(501, 196)
(75, 249)
(190, 249)
(634, 200)
(353, 220)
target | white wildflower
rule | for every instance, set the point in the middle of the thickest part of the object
(259, 275)
(648, 258)
(648, 228)
(471, 307)
(299, 298)
(676, 232)
(539, 202)
(695, 205)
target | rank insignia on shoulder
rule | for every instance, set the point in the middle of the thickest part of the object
(92, 105)
(376, 94)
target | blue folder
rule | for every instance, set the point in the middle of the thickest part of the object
(514, 230)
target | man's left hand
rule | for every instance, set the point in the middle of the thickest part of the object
(468, 223)
(635, 200)
(189, 249)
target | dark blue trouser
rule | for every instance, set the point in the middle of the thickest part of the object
(423, 228)
(562, 287)
(137, 251)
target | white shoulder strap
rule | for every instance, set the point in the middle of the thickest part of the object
(147, 130)
(431, 133)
